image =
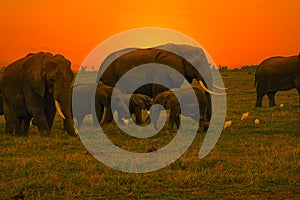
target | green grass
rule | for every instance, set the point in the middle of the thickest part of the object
(248, 162)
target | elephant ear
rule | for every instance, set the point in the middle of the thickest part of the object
(32, 73)
(141, 101)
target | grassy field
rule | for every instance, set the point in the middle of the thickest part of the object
(249, 161)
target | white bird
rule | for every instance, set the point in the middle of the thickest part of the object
(227, 124)
(281, 105)
(125, 121)
(245, 115)
(256, 121)
(76, 130)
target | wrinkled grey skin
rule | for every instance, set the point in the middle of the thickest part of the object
(277, 74)
(170, 102)
(30, 86)
(103, 100)
(120, 62)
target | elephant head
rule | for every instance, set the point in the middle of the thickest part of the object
(42, 80)
(139, 105)
(168, 101)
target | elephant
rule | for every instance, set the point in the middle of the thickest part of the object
(34, 87)
(112, 70)
(137, 103)
(170, 102)
(277, 74)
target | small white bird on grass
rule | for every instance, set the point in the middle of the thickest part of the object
(281, 105)
(245, 115)
(256, 121)
(227, 124)
(125, 121)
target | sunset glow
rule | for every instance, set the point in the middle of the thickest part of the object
(234, 33)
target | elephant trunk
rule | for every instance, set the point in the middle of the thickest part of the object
(66, 108)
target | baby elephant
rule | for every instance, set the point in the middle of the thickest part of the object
(170, 102)
(103, 101)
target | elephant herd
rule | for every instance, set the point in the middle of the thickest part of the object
(40, 84)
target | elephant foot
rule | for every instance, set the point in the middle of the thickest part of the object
(168, 131)
(206, 126)
(10, 132)
(258, 105)
(20, 134)
(200, 129)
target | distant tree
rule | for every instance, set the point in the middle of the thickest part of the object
(82, 69)
(235, 69)
(249, 68)
(223, 68)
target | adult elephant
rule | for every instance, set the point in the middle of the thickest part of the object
(33, 87)
(168, 99)
(103, 100)
(111, 72)
(277, 74)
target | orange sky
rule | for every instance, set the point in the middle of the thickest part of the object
(233, 32)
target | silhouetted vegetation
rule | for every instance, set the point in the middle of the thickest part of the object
(246, 68)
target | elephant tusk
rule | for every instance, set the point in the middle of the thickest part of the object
(207, 90)
(57, 106)
(218, 87)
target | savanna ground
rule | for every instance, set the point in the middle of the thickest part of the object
(249, 161)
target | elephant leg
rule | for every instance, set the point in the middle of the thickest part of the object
(99, 108)
(79, 120)
(271, 98)
(260, 93)
(42, 124)
(176, 112)
(137, 111)
(9, 127)
(36, 107)
(154, 114)
(259, 99)
(108, 116)
(26, 124)
(201, 124)
(202, 119)
(19, 126)
(172, 117)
